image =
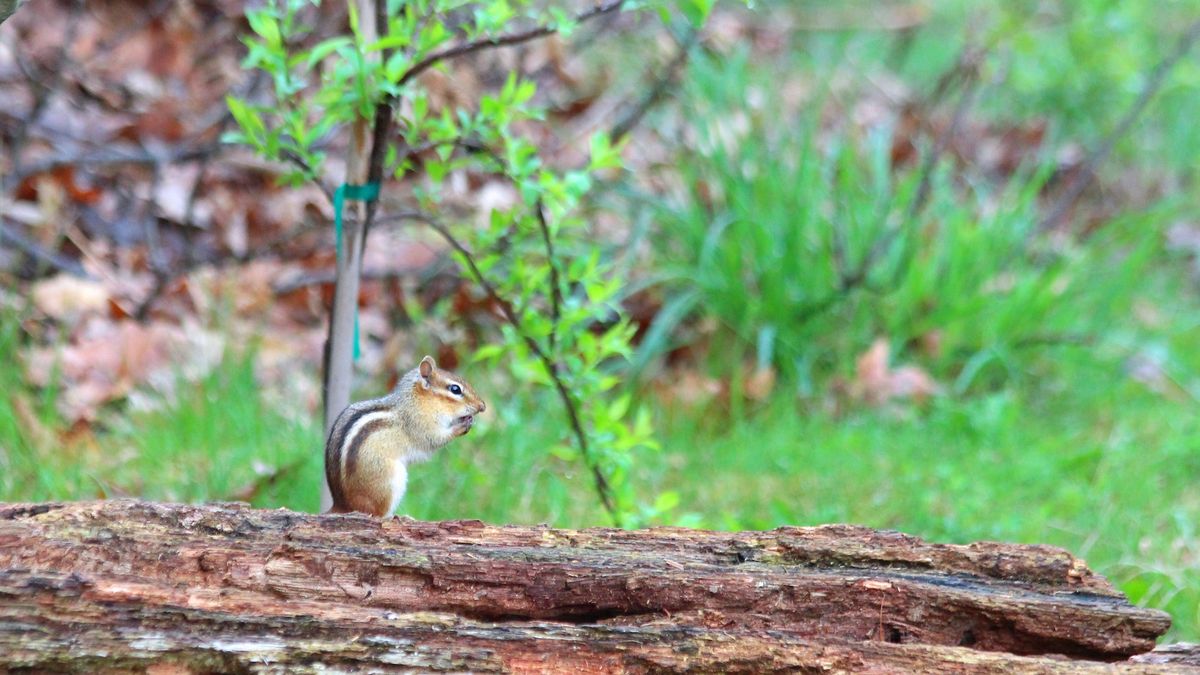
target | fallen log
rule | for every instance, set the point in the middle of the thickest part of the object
(125, 584)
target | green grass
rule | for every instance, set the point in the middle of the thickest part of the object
(217, 438)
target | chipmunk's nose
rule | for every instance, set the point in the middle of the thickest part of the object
(482, 406)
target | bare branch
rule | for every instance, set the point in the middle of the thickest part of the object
(555, 288)
(298, 162)
(46, 83)
(34, 250)
(602, 485)
(502, 41)
(658, 90)
(969, 65)
(967, 72)
(1088, 170)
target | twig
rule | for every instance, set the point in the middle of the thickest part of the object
(658, 90)
(34, 250)
(501, 41)
(107, 158)
(602, 484)
(851, 280)
(970, 63)
(151, 231)
(46, 85)
(1088, 169)
(163, 276)
(555, 289)
(297, 161)
(224, 119)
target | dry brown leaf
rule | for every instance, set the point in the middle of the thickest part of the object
(931, 343)
(66, 298)
(689, 388)
(877, 383)
(252, 287)
(106, 361)
(912, 382)
(871, 385)
(173, 194)
(52, 200)
(760, 384)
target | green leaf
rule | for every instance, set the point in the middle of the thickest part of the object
(487, 352)
(266, 26)
(433, 35)
(326, 47)
(564, 22)
(247, 117)
(666, 501)
(391, 41)
(618, 408)
(603, 154)
(397, 65)
(696, 11)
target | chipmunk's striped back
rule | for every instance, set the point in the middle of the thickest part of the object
(372, 442)
(346, 439)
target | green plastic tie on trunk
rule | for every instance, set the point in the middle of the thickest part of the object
(367, 192)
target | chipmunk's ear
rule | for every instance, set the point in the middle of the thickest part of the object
(426, 370)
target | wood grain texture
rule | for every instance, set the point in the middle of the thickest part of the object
(225, 587)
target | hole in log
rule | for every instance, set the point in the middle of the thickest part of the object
(893, 634)
(967, 639)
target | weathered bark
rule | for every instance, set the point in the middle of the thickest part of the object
(1180, 655)
(224, 587)
(56, 621)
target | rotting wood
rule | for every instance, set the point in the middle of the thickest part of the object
(299, 589)
(1183, 654)
(55, 621)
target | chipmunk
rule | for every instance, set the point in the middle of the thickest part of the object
(372, 442)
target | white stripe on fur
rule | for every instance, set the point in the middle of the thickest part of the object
(357, 427)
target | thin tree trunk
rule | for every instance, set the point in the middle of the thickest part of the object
(339, 346)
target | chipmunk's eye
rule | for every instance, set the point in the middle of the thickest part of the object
(456, 390)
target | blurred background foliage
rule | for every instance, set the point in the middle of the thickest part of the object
(850, 304)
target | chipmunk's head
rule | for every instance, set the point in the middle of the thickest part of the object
(452, 401)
